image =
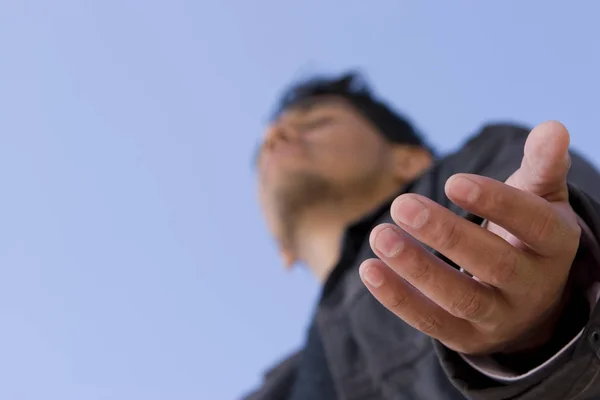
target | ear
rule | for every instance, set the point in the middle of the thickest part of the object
(410, 161)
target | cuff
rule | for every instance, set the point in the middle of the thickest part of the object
(491, 368)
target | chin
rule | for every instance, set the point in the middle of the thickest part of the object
(284, 174)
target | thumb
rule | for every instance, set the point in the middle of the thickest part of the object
(546, 162)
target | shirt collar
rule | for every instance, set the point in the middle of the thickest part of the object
(353, 239)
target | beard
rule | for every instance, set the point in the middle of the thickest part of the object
(301, 191)
(294, 195)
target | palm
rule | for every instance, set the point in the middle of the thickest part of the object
(543, 173)
(523, 276)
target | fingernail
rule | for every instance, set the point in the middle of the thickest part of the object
(372, 276)
(410, 211)
(388, 242)
(466, 189)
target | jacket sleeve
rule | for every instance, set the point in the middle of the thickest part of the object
(569, 366)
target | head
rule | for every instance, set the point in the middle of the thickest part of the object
(332, 146)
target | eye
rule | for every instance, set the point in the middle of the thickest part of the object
(315, 123)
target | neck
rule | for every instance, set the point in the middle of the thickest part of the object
(319, 240)
(319, 230)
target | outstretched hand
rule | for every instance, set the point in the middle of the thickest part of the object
(519, 262)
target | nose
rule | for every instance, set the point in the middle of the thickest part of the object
(280, 132)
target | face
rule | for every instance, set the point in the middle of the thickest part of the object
(319, 151)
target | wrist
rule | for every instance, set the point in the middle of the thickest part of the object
(544, 329)
(549, 337)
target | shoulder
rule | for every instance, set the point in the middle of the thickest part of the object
(499, 131)
(277, 380)
(492, 138)
(495, 150)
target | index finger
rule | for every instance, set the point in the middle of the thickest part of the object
(530, 218)
(483, 254)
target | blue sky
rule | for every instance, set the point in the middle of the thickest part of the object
(134, 262)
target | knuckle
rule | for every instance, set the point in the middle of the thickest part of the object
(468, 305)
(543, 225)
(497, 201)
(428, 324)
(396, 301)
(419, 266)
(449, 235)
(504, 268)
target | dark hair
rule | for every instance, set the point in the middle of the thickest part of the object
(352, 87)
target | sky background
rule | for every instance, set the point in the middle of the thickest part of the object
(134, 263)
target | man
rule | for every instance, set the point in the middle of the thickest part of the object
(470, 276)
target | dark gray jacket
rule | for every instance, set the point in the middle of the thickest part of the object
(372, 354)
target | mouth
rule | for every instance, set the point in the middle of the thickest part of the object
(282, 157)
(283, 151)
